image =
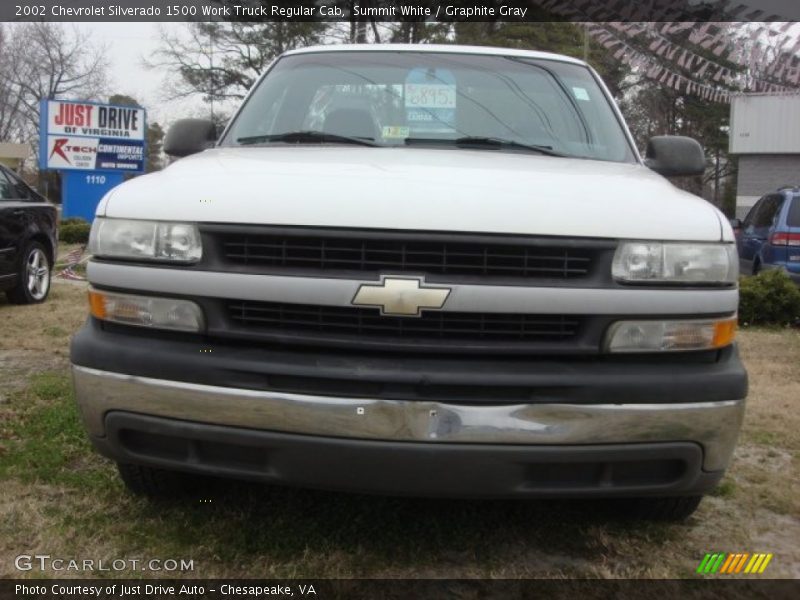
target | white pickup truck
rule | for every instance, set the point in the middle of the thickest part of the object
(419, 270)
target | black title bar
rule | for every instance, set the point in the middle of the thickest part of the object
(400, 10)
(390, 589)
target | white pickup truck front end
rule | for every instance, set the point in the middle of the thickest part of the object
(433, 315)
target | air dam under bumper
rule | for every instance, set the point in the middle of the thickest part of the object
(410, 447)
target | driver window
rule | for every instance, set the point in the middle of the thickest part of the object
(6, 189)
(18, 187)
(768, 211)
(747, 224)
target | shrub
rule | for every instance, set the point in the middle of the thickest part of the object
(74, 231)
(769, 298)
(73, 221)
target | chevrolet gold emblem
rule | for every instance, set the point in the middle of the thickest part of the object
(401, 297)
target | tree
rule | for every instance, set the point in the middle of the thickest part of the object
(47, 60)
(44, 61)
(10, 101)
(155, 144)
(154, 135)
(416, 31)
(654, 107)
(221, 60)
(559, 37)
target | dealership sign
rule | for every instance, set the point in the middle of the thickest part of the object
(85, 136)
(93, 146)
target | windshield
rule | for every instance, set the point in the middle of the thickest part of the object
(432, 99)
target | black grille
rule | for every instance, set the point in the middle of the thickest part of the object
(395, 254)
(352, 321)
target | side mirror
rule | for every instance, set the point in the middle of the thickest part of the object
(675, 156)
(189, 136)
(736, 224)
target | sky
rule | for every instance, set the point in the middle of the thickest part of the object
(128, 45)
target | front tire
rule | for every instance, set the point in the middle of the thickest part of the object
(33, 276)
(157, 483)
(677, 508)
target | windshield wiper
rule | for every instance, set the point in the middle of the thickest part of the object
(306, 137)
(489, 142)
(504, 143)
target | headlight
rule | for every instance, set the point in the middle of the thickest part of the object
(670, 336)
(145, 240)
(671, 262)
(146, 311)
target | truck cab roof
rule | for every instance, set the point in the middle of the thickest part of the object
(448, 48)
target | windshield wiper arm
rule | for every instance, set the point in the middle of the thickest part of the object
(494, 143)
(504, 143)
(306, 137)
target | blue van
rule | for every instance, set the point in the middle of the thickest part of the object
(769, 236)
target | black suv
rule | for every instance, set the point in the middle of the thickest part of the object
(28, 224)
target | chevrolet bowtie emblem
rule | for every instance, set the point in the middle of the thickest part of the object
(400, 296)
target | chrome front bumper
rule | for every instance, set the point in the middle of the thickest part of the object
(713, 425)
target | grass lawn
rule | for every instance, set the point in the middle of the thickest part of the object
(59, 498)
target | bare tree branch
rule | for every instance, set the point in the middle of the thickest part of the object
(40, 61)
(221, 61)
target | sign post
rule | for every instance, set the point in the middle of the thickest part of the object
(81, 192)
(93, 145)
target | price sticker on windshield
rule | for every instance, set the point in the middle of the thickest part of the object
(430, 95)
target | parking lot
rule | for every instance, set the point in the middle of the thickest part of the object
(59, 498)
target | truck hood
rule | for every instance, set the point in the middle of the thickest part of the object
(418, 189)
